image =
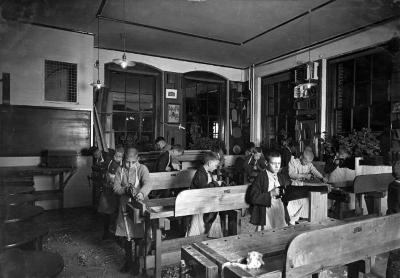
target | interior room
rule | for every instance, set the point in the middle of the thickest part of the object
(200, 138)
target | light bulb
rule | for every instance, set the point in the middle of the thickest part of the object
(124, 64)
(98, 84)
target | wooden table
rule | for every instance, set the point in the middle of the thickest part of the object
(15, 190)
(30, 171)
(18, 199)
(9, 214)
(374, 185)
(18, 263)
(298, 251)
(189, 202)
(23, 233)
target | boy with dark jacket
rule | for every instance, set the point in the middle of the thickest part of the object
(266, 208)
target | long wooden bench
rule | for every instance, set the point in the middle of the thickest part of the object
(196, 201)
(169, 180)
(297, 251)
(374, 186)
(190, 159)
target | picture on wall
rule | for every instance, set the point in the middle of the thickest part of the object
(171, 93)
(174, 111)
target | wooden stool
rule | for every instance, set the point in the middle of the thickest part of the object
(19, 199)
(18, 263)
(9, 214)
(23, 234)
(13, 190)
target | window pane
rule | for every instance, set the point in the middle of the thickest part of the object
(202, 106)
(213, 103)
(147, 85)
(118, 101)
(60, 81)
(132, 102)
(362, 93)
(147, 137)
(382, 65)
(360, 117)
(117, 81)
(379, 91)
(119, 138)
(146, 102)
(132, 121)
(132, 83)
(119, 121)
(347, 71)
(363, 68)
(147, 120)
(380, 116)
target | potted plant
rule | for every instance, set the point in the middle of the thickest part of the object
(362, 143)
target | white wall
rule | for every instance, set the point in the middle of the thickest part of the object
(23, 50)
(165, 64)
(356, 42)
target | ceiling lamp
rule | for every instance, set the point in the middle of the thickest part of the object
(123, 62)
(310, 64)
(97, 84)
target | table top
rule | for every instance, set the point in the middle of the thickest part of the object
(20, 233)
(13, 200)
(9, 214)
(271, 242)
(22, 171)
(18, 263)
(156, 208)
(14, 190)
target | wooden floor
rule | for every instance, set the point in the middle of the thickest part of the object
(76, 235)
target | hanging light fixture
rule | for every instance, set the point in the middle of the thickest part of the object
(122, 61)
(97, 84)
(310, 64)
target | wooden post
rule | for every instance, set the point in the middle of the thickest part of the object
(318, 206)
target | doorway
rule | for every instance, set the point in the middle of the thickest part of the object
(204, 107)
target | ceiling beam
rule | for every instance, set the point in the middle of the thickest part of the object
(169, 30)
(333, 38)
(288, 21)
(206, 37)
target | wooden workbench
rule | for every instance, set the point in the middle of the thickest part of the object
(11, 173)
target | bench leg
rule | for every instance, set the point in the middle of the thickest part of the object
(157, 238)
(364, 266)
(234, 222)
(358, 204)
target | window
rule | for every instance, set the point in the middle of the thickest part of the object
(60, 81)
(277, 108)
(203, 111)
(361, 92)
(133, 108)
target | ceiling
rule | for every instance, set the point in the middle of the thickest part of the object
(233, 33)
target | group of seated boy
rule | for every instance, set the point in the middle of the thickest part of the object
(124, 177)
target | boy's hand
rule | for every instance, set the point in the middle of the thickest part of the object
(307, 176)
(325, 179)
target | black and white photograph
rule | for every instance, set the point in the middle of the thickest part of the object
(199, 138)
